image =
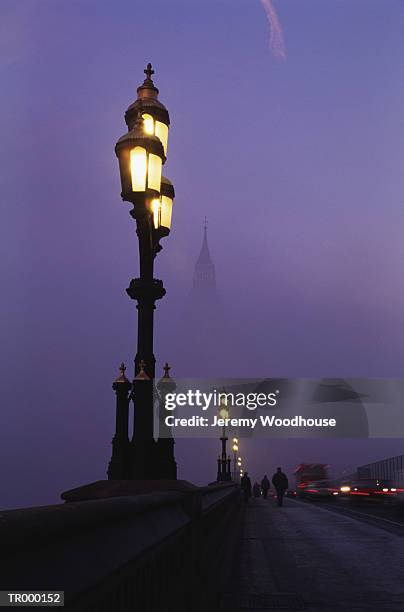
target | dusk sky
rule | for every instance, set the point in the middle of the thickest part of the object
(296, 161)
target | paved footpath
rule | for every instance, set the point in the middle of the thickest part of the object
(303, 557)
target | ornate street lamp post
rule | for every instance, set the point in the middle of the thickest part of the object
(141, 153)
(223, 462)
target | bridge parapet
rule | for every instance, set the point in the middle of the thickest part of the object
(165, 550)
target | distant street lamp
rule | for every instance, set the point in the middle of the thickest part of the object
(235, 450)
(223, 462)
(141, 153)
(239, 465)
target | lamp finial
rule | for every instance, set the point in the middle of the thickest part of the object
(149, 72)
(122, 378)
(148, 90)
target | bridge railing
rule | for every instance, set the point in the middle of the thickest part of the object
(164, 551)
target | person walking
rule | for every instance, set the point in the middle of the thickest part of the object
(246, 486)
(256, 490)
(280, 482)
(265, 486)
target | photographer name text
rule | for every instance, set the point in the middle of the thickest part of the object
(263, 421)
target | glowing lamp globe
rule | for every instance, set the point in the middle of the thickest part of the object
(140, 156)
(224, 412)
(162, 207)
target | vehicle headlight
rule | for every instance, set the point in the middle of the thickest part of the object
(345, 489)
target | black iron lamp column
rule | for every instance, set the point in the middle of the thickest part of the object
(118, 466)
(142, 462)
(167, 466)
(141, 153)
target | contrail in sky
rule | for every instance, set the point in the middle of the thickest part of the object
(275, 30)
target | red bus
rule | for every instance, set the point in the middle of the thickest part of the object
(306, 473)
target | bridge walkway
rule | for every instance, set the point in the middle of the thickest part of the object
(305, 557)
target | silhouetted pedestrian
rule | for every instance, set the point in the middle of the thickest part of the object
(265, 486)
(256, 490)
(246, 486)
(280, 482)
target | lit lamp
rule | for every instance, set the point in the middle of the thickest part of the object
(156, 128)
(141, 156)
(162, 207)
(223, 409)
(224, 412)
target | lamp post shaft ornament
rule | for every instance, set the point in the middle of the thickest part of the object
(141, 153)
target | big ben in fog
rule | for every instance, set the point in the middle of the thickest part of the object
(204, 281)
(203, 338)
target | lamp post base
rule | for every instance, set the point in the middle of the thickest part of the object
(166, 466)
(153, 460)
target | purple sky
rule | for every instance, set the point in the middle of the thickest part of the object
(297, 165)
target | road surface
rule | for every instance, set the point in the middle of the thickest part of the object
(305, 557)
